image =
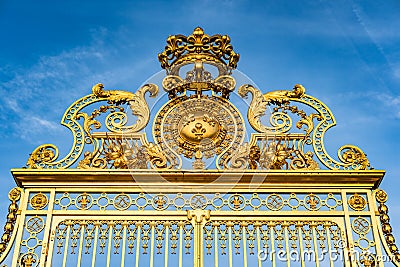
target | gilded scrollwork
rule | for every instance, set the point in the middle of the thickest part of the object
(239, 159)
(158, 159)
(280, 121)
(352, 155)
(199, 80)
(116, 153)
(46, 156)
(43, 154)
(116, 120)
(90, 121)
(303, 161)
(274, 155)
(280, 97)
(92, 160)
(199, 121)
(305, 120)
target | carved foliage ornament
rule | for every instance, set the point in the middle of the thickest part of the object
(351, 157)
(198, 45)
(199, 121)
(45, 156)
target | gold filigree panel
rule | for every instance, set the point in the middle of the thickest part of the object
(217, 201)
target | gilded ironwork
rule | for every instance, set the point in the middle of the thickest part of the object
(39, 201)
(181, 49)
(266, 201)
(199, 122)
(188, 189)
(199, 127)
(386, 229)
(45, 156)
(357, 202)
(351, 157)
(14, 195)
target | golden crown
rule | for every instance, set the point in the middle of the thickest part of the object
(181, 50)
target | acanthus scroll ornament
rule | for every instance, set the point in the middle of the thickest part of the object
(47, 153)
(259, 103)
(352, 155)
(46, 156)
(137, 102)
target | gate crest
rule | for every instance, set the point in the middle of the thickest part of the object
(198, 168)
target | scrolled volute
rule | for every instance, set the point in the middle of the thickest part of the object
(354, 157)
(280, 121)
(42, 155)
(116, 121)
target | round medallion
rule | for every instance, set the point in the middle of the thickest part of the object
(361, 226)
(198, 201)
(357, 202)
(200, 126)
(274, 202)
(35, 224)
(122, 201)
(39, 201)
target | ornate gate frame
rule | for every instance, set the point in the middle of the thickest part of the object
(269, 192)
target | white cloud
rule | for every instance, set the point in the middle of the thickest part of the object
(36, 96)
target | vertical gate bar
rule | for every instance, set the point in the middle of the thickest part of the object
(47, 231)
(372, 209)
(180, 224)
(200, 247)
(139, 229)
(23, 207)
(314, 226)
(124, 225)
(244, 245)
(349, 248)
(110, 233)
(230, 225)
(259, 244)
(286, 225)
(301, 246)
(328, 233)
(78, 264)
(96, 236)
(66, 245)
(152, 225)
(215, 246)
(166, 252)
(49, 258)
(272, 245)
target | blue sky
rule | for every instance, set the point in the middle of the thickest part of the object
(345, 53)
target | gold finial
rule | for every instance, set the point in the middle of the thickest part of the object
(181, 49)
